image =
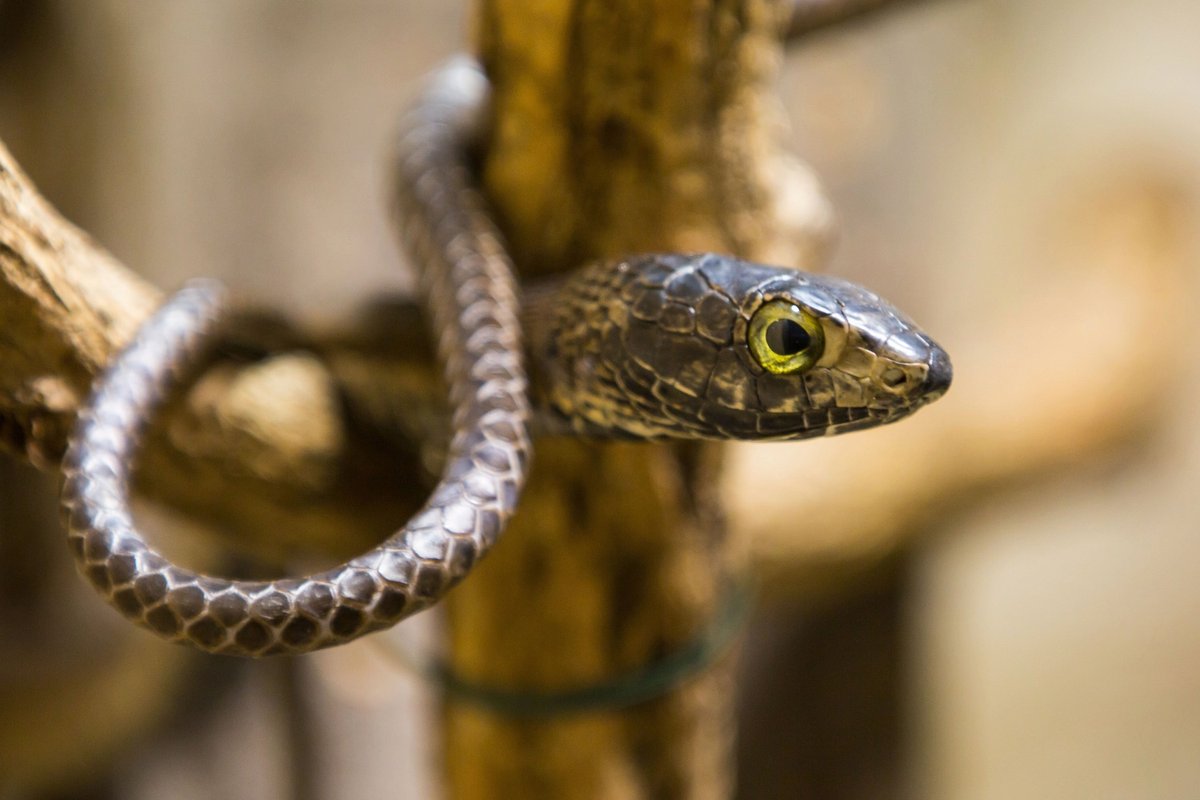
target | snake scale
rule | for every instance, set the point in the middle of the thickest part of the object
(649, 347)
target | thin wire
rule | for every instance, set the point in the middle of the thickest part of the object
(631, 688)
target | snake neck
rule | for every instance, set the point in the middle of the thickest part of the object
(541, 303)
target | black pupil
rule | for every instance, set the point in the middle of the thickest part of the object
(787, 337)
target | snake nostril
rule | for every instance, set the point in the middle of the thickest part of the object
(893, 377)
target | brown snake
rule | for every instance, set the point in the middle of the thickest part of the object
(651, 347)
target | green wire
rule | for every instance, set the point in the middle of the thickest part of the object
(622, 691)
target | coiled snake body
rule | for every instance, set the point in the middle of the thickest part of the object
(652, 347)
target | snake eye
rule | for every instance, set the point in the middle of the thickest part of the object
(785, 338)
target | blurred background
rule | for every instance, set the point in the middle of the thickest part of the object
(1012, 610)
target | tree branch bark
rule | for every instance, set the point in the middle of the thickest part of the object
(66, 305)
(812, 16)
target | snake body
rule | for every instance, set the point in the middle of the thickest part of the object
(651, 347)
(467, 282)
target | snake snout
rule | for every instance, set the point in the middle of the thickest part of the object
(941, 373)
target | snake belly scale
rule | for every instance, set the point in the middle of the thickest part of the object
(650, 347)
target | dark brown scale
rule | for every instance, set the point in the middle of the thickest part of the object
(347, 621)
(151, 588)
(162, 620)
(253, 636)
(300, 631)
(714, 319)
(429, 582)
(188, 601)
(356, 587)
(316, 600)
(391, 605)
(206, 633)
(228, 609)
(127, 601)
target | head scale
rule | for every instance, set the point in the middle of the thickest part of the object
(708, 346)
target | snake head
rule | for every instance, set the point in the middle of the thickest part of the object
(708, 346)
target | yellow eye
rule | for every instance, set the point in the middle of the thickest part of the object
(785, 338)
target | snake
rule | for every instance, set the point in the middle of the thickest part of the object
(649, 347)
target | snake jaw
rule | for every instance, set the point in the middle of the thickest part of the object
(657, 347)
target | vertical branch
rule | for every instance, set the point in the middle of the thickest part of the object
(616, 127)
(627, 126)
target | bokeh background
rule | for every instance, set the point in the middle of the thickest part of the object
(1022, 622)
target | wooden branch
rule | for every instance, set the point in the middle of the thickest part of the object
(262, 449)
(66, 305)
(806, 17)
(682, 90)
(271, 447)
